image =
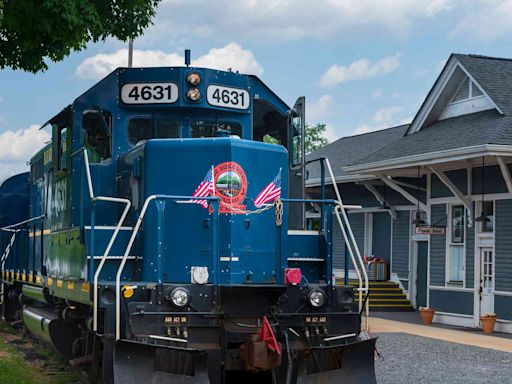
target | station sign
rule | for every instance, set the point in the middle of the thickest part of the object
(429, 230)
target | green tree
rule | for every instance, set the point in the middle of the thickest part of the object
(32, 31)
(314, 138)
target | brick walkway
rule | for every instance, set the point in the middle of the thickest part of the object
(411, 324)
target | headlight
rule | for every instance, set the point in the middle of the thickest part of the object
(193, 79)
(180, 297)
(194, 94)
(316, 297)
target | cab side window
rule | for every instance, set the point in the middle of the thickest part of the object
(269, 125)
(97, 128)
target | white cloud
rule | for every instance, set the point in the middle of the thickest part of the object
(230, 56)
(384, 115)
(319, 110)
(485, 20)
(358, 70)
(17, 148)
(377, 94)
(382, 119)
(284, 20)
(330, 133)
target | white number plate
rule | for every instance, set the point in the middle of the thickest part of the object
(227, 97)
(149, 93)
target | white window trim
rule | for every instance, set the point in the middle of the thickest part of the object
(449, 244)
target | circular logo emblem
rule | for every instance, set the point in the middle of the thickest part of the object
(231, 186)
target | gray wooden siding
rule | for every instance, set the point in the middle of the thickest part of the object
(357, 224)
(401, 243)
(438, 247)
(381, 237)
(338, 246)
(503, 245)
(503, 307)
(452, 301)
(470, 256)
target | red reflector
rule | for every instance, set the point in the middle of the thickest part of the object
(292, 276)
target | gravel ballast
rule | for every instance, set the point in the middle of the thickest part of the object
(415, 359)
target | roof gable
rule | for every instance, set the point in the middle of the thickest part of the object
(456, 92)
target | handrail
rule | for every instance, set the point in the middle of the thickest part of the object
(8, 227)
(7, 251)
(340, 207)
(148, 200)
(112, 239)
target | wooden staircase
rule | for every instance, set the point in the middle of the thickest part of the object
(385, 296)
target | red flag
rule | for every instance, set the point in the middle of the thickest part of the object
(267, 335)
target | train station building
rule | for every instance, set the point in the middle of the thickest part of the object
(436, 195)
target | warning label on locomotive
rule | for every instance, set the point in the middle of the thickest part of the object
(231, 186)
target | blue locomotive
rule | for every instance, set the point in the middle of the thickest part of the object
(159, 238)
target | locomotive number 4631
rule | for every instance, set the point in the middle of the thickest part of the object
(149, 93)
(227, 97)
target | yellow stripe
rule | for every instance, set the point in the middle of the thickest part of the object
(391, 305)
(50, 281)
(38, 233)
(71, 285)
(59, 283)
(85, 287)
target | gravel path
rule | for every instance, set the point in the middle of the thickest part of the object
(412, 359)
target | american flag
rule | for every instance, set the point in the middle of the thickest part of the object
(205, 189)
(271, 192)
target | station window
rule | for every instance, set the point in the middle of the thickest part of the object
(97, 128)
(455, 255)
(201, 128)
(149, 127)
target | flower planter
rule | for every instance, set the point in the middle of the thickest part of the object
(488, 322)
(427, 314)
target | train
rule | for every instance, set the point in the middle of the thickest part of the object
(160, 237)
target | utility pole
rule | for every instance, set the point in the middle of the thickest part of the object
(130, 53)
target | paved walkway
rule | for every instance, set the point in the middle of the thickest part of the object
(411, 324)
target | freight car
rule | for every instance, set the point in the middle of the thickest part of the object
(160, 237)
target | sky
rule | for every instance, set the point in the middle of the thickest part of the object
(363, 65)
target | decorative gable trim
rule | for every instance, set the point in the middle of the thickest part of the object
(439, 86)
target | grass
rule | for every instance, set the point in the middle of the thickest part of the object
(15, 368)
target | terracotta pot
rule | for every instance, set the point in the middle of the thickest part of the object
(488, 323)
(427, 314)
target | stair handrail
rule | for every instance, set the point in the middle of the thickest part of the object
(340, 208)
(119, 224)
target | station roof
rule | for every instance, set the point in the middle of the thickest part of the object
(433, 136)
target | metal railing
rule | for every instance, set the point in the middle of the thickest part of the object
(351, 244)
(112, 239)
